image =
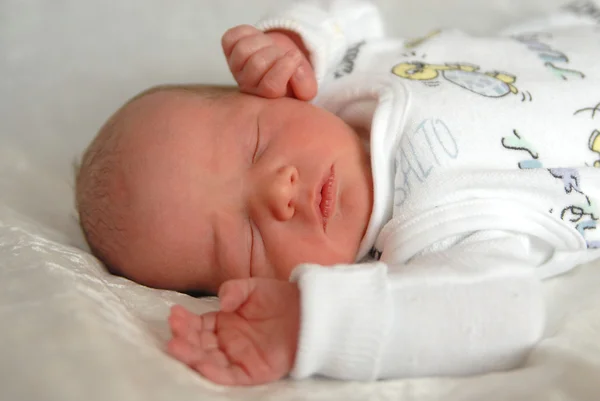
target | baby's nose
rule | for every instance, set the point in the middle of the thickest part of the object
(281, 192)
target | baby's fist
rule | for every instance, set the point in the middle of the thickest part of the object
(269, 65)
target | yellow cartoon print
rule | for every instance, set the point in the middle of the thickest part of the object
(595, 145)
(467, 76)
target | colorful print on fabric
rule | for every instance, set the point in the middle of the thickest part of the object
(594, 145)
(515, 142)
(549, 55)
(346, 66)
(422, 150)
(592, 110)
(594, 141)
(492, 84)
(583, 213)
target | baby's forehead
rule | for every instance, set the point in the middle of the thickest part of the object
(153, 116)
(190, 124)
(178, 129)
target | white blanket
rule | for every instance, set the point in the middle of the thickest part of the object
(70, 331)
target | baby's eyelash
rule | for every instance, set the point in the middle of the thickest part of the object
(257, 143)
(251, 244)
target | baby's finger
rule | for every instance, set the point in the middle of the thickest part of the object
(242, 351)
(274, 83)
(178, 323)
(304, 81)
(231, 375)
(215, 357)
(184, 352)
(209, 321)
(256, 67)
(244, 49)
(233, 35)
(181, 321)
(207, 340)
(234, 293)
(179, 310)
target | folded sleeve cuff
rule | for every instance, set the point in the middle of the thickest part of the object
(322, 37)
(345, 318)
(327, 32)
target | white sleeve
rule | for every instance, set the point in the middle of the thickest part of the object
(327, 28)
(451, 313)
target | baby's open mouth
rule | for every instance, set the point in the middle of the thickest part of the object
(327, 202)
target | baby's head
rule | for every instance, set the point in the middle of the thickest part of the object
(186, 187)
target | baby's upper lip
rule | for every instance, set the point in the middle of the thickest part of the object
(325, 198)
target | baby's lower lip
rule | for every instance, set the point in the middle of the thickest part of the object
(327, 203)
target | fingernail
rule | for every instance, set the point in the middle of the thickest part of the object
(300, 73)
(295, 54)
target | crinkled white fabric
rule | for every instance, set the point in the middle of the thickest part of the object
(70, 331)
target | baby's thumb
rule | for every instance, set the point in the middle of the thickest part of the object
(234, 293)
(304, 81)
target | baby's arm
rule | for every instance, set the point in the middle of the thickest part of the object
(465, 311)
(447, 316)
(273, 60)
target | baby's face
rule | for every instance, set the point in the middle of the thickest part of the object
(243, 187)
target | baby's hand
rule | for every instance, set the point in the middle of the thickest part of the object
(269, 64)
(251, 340)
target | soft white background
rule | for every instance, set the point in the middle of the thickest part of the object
(68, 330)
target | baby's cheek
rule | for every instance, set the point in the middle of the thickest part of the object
(283, 261)
(284, 273)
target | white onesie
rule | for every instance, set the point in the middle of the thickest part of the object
(485, 155)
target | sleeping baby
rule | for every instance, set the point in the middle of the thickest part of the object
(365, 207)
